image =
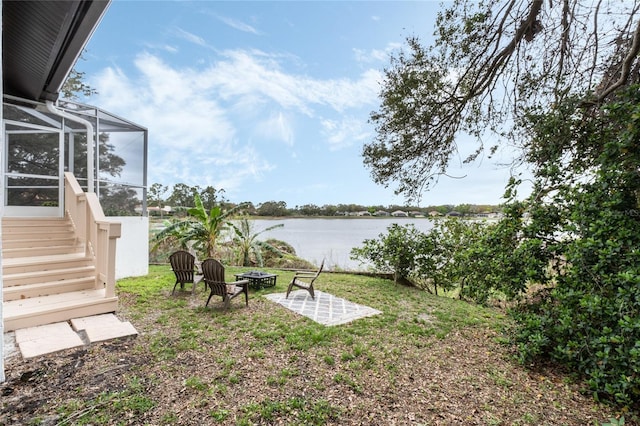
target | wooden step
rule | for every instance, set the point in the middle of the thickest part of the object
(12, 220)
(37, 242)
(38, 289)
(18, 226)
(13, 228)
(34, 277)
(12, 253)
(47, 277)
(55, 308)
(32, 234)
(44, 263)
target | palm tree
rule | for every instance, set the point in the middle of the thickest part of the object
(201, 228)
(247, 241)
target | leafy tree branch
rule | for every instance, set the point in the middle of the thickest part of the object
(491, 64)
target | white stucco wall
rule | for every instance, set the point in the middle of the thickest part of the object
(1, 215)
(132, 248)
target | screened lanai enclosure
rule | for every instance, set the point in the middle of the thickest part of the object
(43, 141)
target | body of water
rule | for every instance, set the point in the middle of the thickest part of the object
(332, 239)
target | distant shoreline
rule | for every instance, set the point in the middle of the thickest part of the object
(336, 217)
(473, 217)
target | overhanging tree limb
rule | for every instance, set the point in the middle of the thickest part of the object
(627, 63)
(493, 63)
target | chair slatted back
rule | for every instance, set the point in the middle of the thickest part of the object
(317, 273)
(183, 265)
(213, 272)
(298, 282)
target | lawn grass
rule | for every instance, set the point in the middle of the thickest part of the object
(424, 360)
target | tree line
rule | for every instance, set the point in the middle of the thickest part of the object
(182, 197)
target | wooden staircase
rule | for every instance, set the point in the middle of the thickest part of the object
(47, 275)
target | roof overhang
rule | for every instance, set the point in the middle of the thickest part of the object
(41, 42)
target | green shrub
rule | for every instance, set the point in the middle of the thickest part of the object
(585, 209)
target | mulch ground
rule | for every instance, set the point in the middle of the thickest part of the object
(466, 378)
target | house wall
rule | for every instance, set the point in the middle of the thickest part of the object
(1, 215)
(132, 248)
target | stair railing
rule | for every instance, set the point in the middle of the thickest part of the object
(97, 233)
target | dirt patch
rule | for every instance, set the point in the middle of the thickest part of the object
(225, 372)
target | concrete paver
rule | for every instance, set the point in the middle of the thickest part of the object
(83, 323)
(44, 339)
(103, 327)
(50, 338)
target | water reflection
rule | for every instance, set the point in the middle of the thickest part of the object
(332, 239)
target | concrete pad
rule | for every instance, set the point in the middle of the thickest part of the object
(44, 339)
(103, 327)
(111, 331)
(326, 309)
(83, 323)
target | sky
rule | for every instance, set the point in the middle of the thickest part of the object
(269, 101)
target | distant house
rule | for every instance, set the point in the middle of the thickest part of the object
(154, 210)
(434, 213)
(454, 214)
(399, 213)
(381, 213)
(416, 214)
(363, 213)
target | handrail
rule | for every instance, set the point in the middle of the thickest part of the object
(97, 233)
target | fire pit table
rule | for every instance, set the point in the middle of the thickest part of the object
(258, 279)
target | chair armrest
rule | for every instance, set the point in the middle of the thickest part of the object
(304, 275)
(240, 283)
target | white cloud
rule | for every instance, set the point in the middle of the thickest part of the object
(277, 126)
(165, 47)
(245, 73)
(168, 99)
(192, 140)
(238, 25)
(190, 37)
(256, 74)
(376, 55)
(345, 132)
(203, 120)
(346, 94)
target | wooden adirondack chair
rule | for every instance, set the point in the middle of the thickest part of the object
(183, 264)
(214, 278)
(298, 282)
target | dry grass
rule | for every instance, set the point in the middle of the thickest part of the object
(425, 360)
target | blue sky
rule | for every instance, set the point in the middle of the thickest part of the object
(267, 100)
